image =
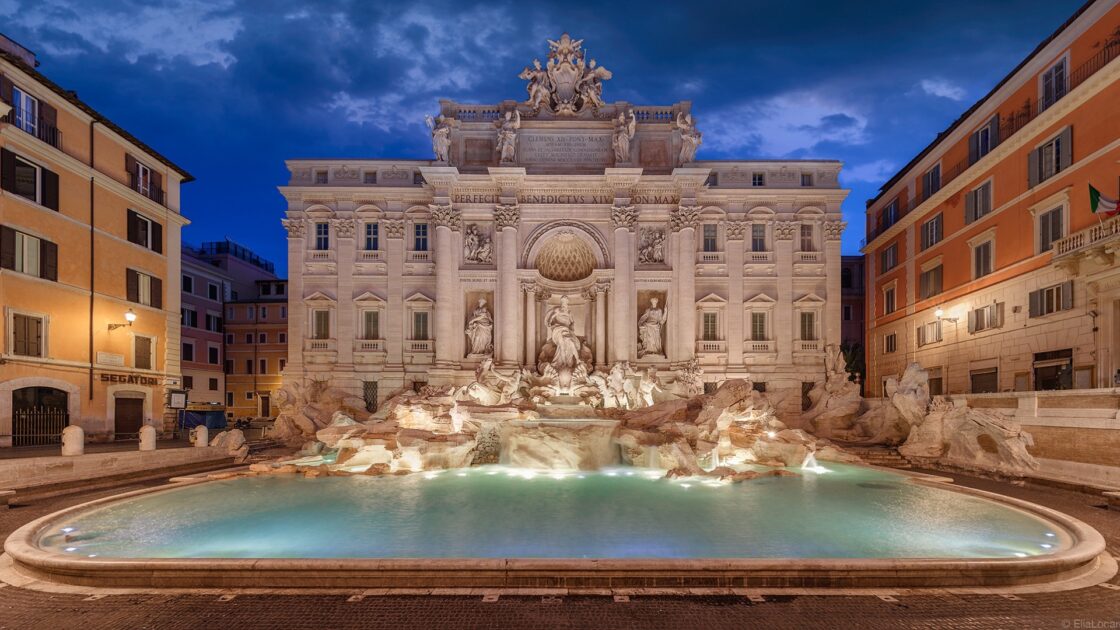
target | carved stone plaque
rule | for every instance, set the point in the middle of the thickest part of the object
(564, 148)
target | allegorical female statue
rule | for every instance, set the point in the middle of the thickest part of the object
(563, 357)
(649, 330)
(480, 331)
(441, 136)
(507, 136)
(623, 133)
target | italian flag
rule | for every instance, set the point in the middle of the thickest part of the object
(1100, 204)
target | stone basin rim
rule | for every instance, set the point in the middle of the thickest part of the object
(1083, 559)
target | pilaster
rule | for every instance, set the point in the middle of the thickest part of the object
(623, 219)
(507, 217)
(683, 222)
(393, 229)
(783, 314)
(833, 298)
(297, 314)
(736, 233)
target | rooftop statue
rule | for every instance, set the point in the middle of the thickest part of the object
(691, 137)
(568, 83)
(441, 136)
(507, 136)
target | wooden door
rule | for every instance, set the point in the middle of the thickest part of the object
(129, 417)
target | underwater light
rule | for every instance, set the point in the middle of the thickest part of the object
(67, 530)
(71, 549)
(771, 434)
(1020, 554)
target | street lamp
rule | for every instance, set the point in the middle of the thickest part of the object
(940, 314)
(129, 317)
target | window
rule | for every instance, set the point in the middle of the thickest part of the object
(1051, 299)
(249, 395)
(25, 111)
(369, 394)
(984, 381)
(710, 243)
(936, 382)
(27, 335)
(807, 238)
(266, 288)
(932, 232)
(847, 312)
(758, 326)
(371, 328)
(930, 282)
(280, 288)
(758, 179)
(888, 258)
(142, 355)
(978, 202)
(322, 324)
(249, 338)
(283, 362)
(321, 176)
(982, 141)
(806, 179)
(231, 314)
(982, 259)
(890, 214)
(369, 177)
(888, 301)
(808, 326)
(213, 355)
(143, 289)
(985, 317)
(372, 237)
(262, 338)
(228, 367)
(143, 180)
(1053, 84)
(283, 311)
(420, 237)
(229, 399)
(250, 312)
(758, 237)
(27, 254)
(264, 312)
(188, 284)
(322, 236)
(845, 278)
(248, 366)
(418, 179)
(188, 382)
(1049, 229)
(420, 325)
(264, 366)
(710, 330)
(213, 291)
(929, 333)
(213, 384)
(25, 178)
(188, 351)
(283, 337)
(1051, 158)
(890, 343)
(213, 322)
(931, 182)
(145, 232)
(229, 339)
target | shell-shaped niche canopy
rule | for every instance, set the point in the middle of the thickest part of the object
(565, 258)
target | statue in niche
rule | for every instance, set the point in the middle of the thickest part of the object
(441, 136)
(480, 331)
(507, 136)
(649, 330)
(563, 358)
(539, 87)
(623, 133)
(477, 246)
(652, 248)
(691, 138)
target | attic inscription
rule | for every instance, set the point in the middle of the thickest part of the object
(538, 148)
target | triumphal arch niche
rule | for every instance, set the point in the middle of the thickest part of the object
(557, 236)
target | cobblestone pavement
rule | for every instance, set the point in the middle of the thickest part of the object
(1096, 607)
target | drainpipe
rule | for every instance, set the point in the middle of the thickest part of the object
(91, 266)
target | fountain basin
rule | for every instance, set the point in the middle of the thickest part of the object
(506, 528)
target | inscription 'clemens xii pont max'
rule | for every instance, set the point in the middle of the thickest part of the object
(538, 148)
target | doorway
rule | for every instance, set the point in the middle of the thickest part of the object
(39, 414)
(128, 417)
(266, 406)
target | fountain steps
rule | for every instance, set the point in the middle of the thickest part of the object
(880, 456)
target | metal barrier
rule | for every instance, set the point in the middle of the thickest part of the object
(37, 426)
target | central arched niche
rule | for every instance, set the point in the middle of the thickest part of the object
(564, 257)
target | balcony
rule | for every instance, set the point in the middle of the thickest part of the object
(759, 257)
(370, 255)
(751, 346)
(419, 257)
(1099, 242)
(320, 345)
(810, 345)
(48, 133)
(1011, 122)
(709, 258)
(807, 257)
(147, 188)
(320, 255)
(711, 347)
(420, 345)
(369, 345)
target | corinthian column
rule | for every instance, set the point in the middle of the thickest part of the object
(684, 222)
(623, 219)
(506, 219)
(447, 220)
(783, 258)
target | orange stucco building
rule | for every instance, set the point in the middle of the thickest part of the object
(256, 329)
(89, 240)
(985, 263)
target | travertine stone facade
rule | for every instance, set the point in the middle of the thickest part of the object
(400, 268)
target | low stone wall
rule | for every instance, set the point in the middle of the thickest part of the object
(33, 472)
(1076, 432)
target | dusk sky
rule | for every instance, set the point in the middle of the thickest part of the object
(229, 89)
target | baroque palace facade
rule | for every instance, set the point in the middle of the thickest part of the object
(410, 272)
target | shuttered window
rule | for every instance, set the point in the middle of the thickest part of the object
(930, 282)
(1051, 299)
(985, 318)
(1051, 158)
(145, 232)
(932, 232)
(188, 351)
(888, 259)
(890, 343)
(981, 142)
(888, 301)
(929, 333)
(978, 202)
(212, 355)
(1054, 84)
(982, 259)
(27, 335)
(1049, 229)
(143, 289)
(143, 352)
(931, 182)
(28, 179)
(28, 254)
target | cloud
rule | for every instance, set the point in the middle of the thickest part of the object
(194, 30)
(784, 125)
(875, 172)
(942, 88)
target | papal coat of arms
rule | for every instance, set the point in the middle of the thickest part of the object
(567, 83)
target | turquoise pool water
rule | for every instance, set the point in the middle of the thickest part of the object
(496, 512)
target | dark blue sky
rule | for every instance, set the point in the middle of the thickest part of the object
(230, 88)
